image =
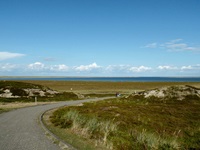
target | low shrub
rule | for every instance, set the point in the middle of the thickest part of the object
(69, 95)
(136, 123)
(192, 140)
(18, 92)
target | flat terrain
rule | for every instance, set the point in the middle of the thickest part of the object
(86, 87)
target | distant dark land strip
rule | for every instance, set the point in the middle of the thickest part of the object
(107, 79)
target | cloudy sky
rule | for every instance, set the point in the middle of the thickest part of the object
(99, 38)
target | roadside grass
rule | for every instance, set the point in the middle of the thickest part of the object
(2, 110)
(68, 136)
(135, 123)
(5, 107)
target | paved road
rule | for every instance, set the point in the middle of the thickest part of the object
(21, 130)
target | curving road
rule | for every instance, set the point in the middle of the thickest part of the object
(21, 130)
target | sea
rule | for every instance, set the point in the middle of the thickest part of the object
(109, 79)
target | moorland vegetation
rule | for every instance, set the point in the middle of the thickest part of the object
(166, 118)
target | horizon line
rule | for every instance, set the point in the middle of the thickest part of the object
(99, 76)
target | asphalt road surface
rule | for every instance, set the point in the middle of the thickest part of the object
(21, 130)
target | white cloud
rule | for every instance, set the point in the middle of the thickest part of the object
(191, 70)
(87, 67)
(151, 45)
(7, 67)
(186, 67)
(191, 67)
(174, 45)
(140, 69)
(117, 67)
(8, 55)
(167, 67)
(36, 66)
(61, 67)
(175, 40)
(39, 68)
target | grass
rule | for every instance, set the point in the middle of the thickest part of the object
(88, 127)
(92, 95)
(20, 85)
(2, 110)
(136, 123)
(68, 135)
(125, 123)
(93, 87)
(5, 107)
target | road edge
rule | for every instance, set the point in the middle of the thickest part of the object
(55, 139)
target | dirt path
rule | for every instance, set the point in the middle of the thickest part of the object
(20, 129)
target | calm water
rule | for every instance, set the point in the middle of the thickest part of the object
(111, 79)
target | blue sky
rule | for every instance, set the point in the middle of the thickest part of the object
(100, 37)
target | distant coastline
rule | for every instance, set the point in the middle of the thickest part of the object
(105, 79)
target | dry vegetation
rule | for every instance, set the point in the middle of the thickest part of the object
(87, 87)
(129, 122)
(4, 107)
(136, 122)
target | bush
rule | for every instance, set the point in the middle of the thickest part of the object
(18, 92)
(192, 97)
(69, 95)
